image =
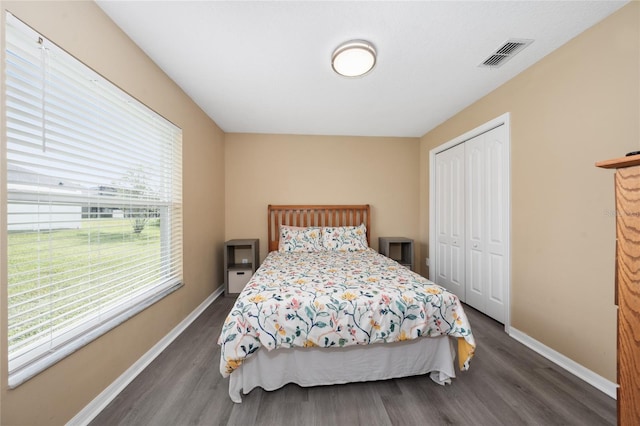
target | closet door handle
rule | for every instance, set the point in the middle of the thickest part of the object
(475, 245)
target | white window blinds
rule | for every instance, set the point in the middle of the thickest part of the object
(94, 203)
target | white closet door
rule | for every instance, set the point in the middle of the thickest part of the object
(450, 239)
(486, 213)
(475, 206)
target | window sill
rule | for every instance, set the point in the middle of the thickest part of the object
(21, 375)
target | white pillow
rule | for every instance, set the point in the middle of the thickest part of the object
(345, 238)
(296, 239)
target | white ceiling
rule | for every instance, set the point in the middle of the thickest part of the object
(264, 67)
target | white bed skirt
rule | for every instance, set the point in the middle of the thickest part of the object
(271, 370)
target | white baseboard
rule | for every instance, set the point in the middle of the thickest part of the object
(98, 404)
(571, 366)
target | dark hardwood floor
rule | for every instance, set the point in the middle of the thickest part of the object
(507, 384)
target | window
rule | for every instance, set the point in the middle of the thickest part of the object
(94, 203)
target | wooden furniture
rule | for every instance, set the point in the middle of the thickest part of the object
(399, 249)
(241, 259)
(315, 215)
(627, 278)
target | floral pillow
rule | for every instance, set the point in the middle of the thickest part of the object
(345, 238)
(293, 238)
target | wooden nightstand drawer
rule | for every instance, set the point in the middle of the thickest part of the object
(238, 279)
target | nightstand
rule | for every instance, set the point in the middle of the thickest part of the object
(399, 249)
(240, 263)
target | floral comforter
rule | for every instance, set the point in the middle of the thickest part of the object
(334, 299)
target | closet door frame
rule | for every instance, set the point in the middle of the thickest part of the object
(503, 120)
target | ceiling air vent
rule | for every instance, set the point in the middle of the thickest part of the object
(505, 52)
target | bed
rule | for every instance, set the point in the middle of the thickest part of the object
(324, 308)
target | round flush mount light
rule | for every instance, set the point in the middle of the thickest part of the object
(354, 58)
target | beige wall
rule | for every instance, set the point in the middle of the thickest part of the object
(577, 106)
(57, 394)
(286, 169)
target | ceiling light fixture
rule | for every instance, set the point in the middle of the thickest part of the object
(354, 58)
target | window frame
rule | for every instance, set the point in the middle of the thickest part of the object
(28, 362)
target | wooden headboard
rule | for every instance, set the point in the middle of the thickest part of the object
(309, 215)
